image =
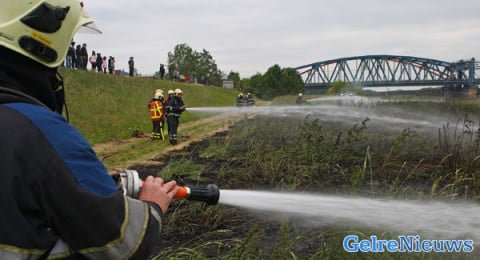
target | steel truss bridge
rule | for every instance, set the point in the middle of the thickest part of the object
(391, 71)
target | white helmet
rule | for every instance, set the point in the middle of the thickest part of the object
(171, 92)
(178, 91)
(300, 95)
(159, 91)
(159, 95)
(42, 30)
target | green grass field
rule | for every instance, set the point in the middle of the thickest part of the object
(106, 108)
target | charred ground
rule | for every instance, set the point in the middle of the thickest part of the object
(305, 154)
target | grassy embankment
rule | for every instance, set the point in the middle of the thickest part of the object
(106, 108)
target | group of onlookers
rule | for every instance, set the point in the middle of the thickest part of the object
(177, 77)
(101, 64)
(77, 58)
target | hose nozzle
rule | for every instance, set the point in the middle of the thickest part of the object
(209, 194)
(132, 185)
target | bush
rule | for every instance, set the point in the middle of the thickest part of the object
(344, 87)
(275, 82)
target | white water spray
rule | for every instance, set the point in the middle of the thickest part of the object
(437, 220)
(344, 114)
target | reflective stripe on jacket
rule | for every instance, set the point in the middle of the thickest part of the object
(156, 110)
(57, 198)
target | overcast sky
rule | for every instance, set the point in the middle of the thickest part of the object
(249, 36)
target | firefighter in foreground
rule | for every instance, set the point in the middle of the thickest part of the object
(57, 199)
(175, 107)
(157, 114)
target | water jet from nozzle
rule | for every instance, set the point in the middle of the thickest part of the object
(433, 219)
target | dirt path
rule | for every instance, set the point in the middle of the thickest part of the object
(143, 151)
(107, 149)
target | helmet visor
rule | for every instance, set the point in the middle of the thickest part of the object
(88, 26)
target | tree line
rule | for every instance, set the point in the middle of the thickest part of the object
(201, 65)
(194, 65)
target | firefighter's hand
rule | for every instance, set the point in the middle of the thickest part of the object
(154, 190)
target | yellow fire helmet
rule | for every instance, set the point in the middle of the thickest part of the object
(42, 30)
(171, 92)
(159, 95)
(178, 91)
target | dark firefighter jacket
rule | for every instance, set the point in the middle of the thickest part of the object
(176, 106)
(56, 197)
(250, 101)
(240, 101)
(299, 101)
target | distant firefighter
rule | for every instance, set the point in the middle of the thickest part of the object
(299, 101)
(175, 108)
(166, 105)
(241, 100)
(250, 101)
(171, 95)
(157, 114)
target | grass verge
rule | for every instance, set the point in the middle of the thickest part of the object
(107, 108)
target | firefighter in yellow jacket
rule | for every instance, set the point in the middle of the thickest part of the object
(157, 114)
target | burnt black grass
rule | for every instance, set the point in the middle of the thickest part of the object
(303, 154)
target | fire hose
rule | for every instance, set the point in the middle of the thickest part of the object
(132, 186)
